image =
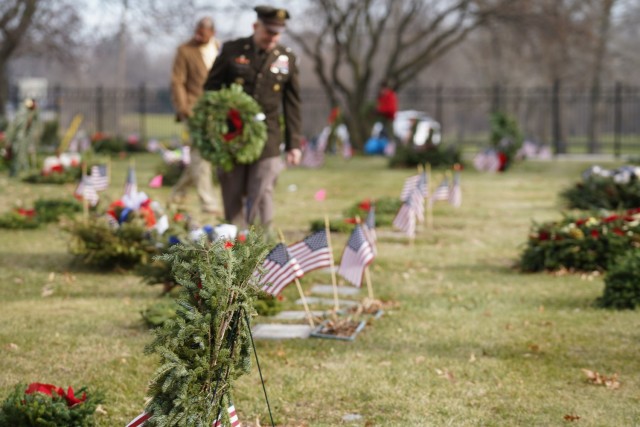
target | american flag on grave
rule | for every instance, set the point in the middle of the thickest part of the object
(356, 256)
(233, 418)
(411, 211)
(131, 184)
(86, 191)
(455, 198)
(419, 181)
(139, 420)
(99, 177)
(280, 270)
(441, 192)
(370, 227)
(312, 252)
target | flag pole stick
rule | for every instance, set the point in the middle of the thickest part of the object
(108, 170)
(85, 202)
(366, 270)
(304, 303)
(430, 195)
(302, 298)
(334, 281)
(367, 278)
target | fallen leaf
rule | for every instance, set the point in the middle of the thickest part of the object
(12, 346)
(100, 410)
(596, 378)
(47, 291)
(571, 418)
(52, 276)
(535, 348)
(472, 358)
(446, 374)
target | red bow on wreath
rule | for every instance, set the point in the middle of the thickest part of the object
(49, 389)
(234, 123)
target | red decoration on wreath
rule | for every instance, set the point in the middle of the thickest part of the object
(365, 205)
(49, 389)
(27, 213)
(502, 159)
(234, 122)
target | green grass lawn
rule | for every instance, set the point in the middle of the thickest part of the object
(472, 342)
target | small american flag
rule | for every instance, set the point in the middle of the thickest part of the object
(455, 198)
(442, 192)
(369, 228)
(131, 185)
(312, 252)
(86, 191)
(233, 418)
(139, 420)
(410, 211)
(281, 269)
(417, 181)
(356, 256)
(99, 177)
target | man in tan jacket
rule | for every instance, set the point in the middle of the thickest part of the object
(191, 66)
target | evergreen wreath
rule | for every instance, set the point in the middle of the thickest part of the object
(41, 404)
(207, 346)
(226, 128)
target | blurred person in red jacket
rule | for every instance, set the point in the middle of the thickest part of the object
(387, 107)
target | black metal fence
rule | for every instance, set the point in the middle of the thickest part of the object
(558, 116)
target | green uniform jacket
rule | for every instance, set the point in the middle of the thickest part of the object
(271, 80)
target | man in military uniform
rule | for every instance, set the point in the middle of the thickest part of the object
(268, 72)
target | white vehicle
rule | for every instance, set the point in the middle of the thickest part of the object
(404, 122)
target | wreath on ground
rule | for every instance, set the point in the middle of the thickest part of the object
(41, 404)
(227, 128)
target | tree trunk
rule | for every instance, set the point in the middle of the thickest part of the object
(4, 88)
(596, 77)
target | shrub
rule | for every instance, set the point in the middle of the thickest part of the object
(15, 220)
(385, 210)
(99, 245)
(50, 210)
(46, 405)
(409, 156)
(72, 174)
(506, 136)
(622, 283)
(170, 172)
(49, 135)
(605, 189)
(585, 244)
(109, 145)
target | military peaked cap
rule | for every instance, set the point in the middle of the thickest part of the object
(273, 18)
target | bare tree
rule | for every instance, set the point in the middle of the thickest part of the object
(602, 38)
(36, 27)
(355, 42)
